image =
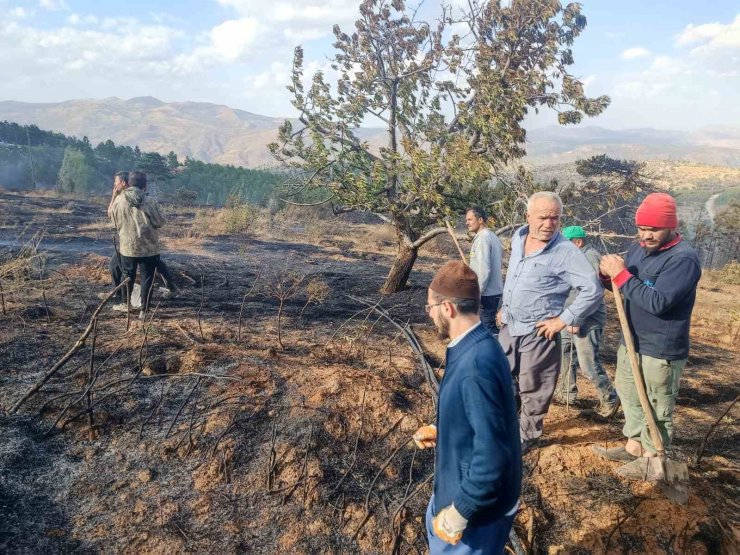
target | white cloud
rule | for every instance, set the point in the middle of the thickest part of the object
(300, 19)
(19, 13)
(28, 50)
(53, 5)
(666, 66)
(714, 34)
(639, 89)
(715, 48)
(76, 19)
(635, 52)
(588, 81)
(233, 39)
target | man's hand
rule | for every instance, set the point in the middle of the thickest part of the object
(426, 437)
(550, 328)
(499, 319)
(611, 265)
(449, 525)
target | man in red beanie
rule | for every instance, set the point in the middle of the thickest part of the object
(478, 470)
(658, 280)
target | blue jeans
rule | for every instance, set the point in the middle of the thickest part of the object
(585, 353)
(488, 308)
(488, 539)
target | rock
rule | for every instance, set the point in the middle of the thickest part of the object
(146, 475)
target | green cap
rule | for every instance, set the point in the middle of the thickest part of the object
(574, 232)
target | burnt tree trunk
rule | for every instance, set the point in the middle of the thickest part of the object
(400, 271)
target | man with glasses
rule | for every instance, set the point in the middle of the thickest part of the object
(477, 480)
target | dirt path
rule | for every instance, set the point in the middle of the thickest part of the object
(710, 208)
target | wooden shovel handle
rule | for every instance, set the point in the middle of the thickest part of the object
(637, 373)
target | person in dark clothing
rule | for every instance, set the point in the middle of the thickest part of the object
(120, 183)
(477, 480)
(137, 218)
(116, 272)
(658, 280)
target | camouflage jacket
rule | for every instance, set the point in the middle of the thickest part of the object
(137, 218)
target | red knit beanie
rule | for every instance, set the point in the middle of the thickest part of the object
(657, 210)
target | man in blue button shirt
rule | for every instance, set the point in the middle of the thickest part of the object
(543, 268)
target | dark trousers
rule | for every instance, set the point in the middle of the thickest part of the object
(127, 269)
(535, 365)
(116, 274)
(488, 309)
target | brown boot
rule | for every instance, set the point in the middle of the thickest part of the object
(613, 453)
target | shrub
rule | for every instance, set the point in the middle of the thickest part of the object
(237, 219)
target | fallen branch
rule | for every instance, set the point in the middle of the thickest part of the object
(182, 406)
(244, 300)
(187, 277)
(272, 462)
(702, 446)
(304, 470)
(413, 341)
(200, 308)
(405, 500)
(76, 347)
(357, 442)
(93, 377)
(387, 463)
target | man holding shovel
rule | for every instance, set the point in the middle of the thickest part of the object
(658, 280)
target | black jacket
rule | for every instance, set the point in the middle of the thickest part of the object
(659, 290)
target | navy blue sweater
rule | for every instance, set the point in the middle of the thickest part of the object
(659, 291)
(478, 458)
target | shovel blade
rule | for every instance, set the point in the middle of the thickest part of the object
(677, 492)
(673, 479)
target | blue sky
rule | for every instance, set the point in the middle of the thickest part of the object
(666, 64)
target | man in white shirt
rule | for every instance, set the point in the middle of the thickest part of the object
(486, 255)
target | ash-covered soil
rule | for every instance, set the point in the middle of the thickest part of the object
(207, 437)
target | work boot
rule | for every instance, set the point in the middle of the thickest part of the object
(120, 307)
(562, 399)
(607, 409)
(646, 469)
(613, 453)
(530, 445)
(169, 293)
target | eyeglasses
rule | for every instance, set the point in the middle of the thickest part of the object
(428, 307)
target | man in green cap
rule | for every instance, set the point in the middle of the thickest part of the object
(581, 343)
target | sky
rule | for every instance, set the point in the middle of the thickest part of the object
(667, 64)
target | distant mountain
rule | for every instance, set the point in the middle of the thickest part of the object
(217, 133)
(208, 132)
(558, 144)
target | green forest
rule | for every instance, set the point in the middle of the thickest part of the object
(31, 158)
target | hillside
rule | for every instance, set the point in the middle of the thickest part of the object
(207, 436)
(218, 133)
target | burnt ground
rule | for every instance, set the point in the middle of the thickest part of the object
(204, 442)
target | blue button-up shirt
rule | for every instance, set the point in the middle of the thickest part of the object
(537, 285)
